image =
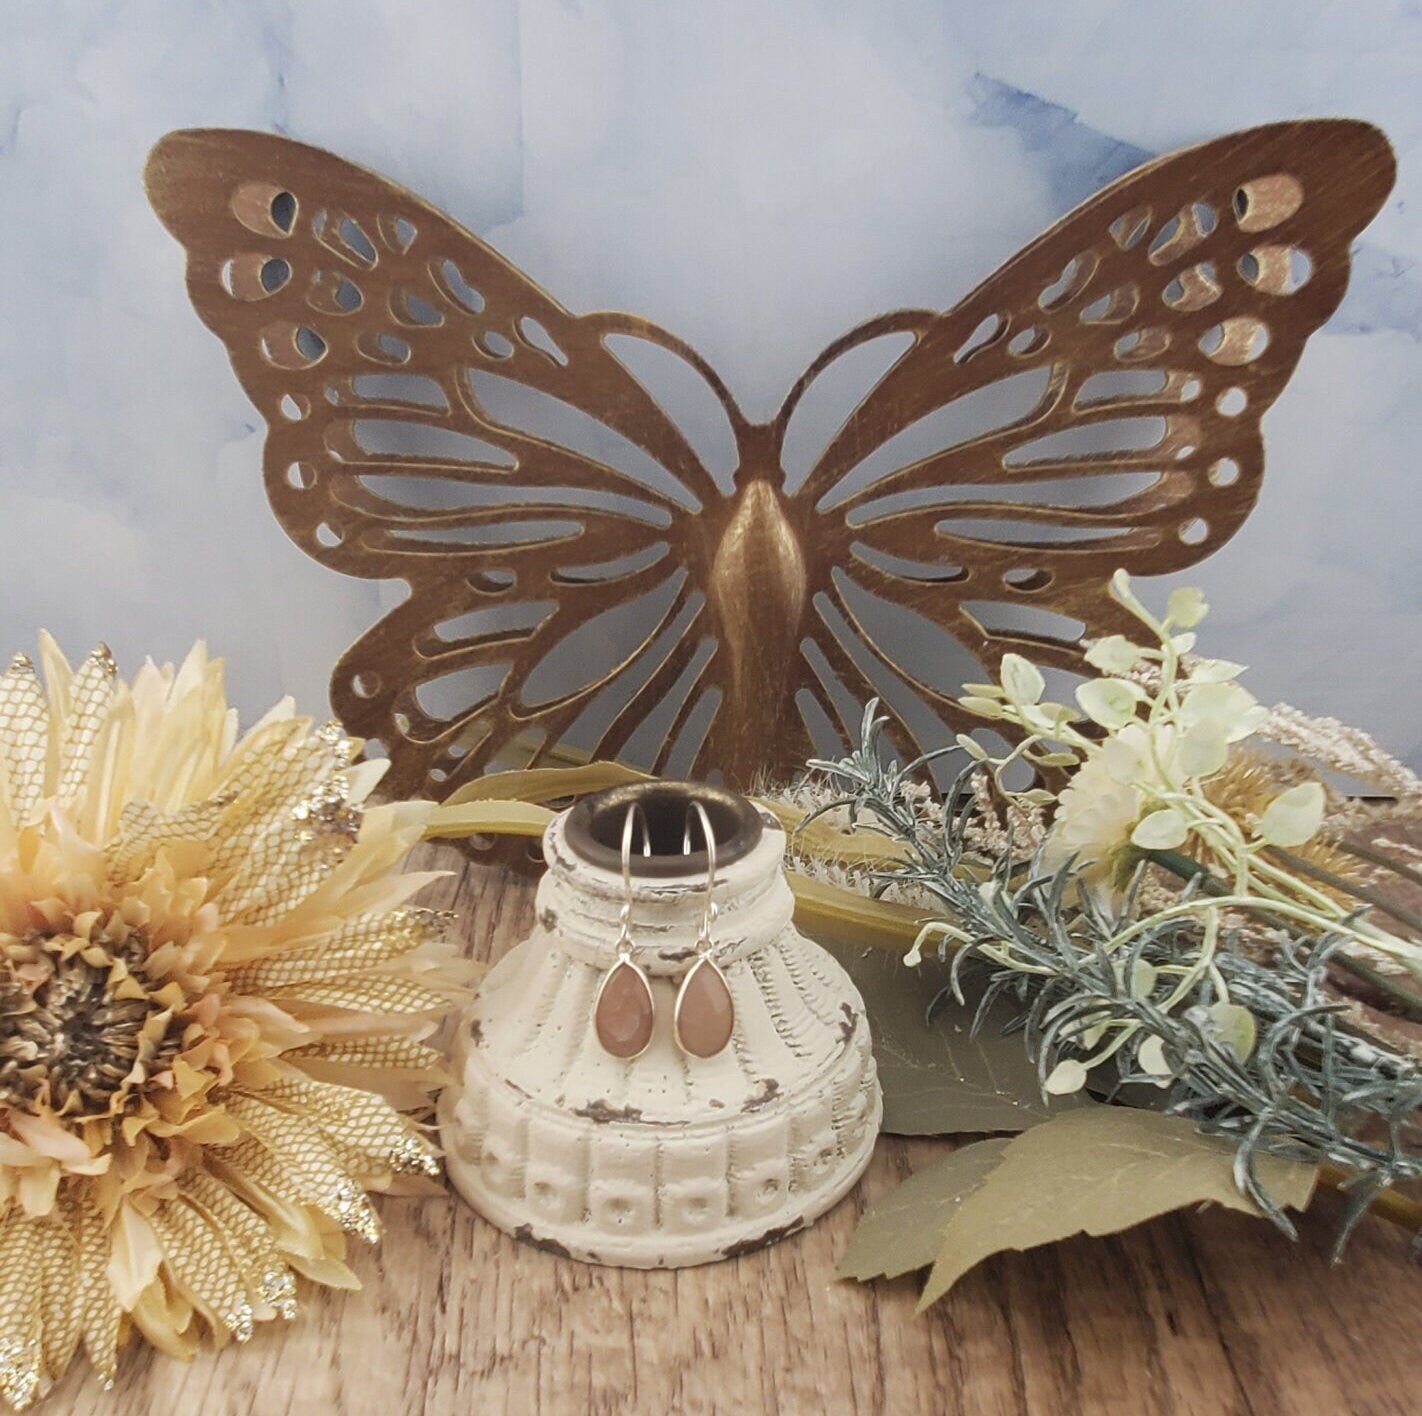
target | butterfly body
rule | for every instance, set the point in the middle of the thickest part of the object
(575, 570)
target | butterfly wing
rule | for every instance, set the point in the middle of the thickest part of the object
(414, 385)
(1095, 403)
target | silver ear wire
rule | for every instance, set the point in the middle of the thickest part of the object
(708, 913)
(634, 814)
(623, 1011)
(704, 1017)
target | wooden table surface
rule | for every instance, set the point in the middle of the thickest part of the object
(1209, 1312)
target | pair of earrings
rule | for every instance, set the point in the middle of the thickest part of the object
(624, 1011)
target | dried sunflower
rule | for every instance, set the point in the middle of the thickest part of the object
(214, 1011)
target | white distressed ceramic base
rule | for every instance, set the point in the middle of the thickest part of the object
(663, 1161)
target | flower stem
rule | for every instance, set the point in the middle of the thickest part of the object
(1374, 856)
(1351, 887)
(1408, 1003)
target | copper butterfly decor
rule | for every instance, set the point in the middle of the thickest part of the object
(581, 569)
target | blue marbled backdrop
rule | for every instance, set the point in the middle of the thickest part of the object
(756, 176)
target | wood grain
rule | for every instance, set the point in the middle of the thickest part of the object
(1203, 1313)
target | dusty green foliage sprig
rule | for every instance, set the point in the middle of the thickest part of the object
(1257, 1053)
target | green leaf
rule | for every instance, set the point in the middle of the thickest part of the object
(1162, 830)
(1234, 709)
(1235, 1027)
(1151, 1058)
(1066, 1077)
(1109, 702)
(1186, 607)
(937, 1080)
(1099, 1172)
(1115, 654)
(1203, 749)
(903, 1231)
(1021, 679)
(1294, 816)
(1214, 670)
(983, 707)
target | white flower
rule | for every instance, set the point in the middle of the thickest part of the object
(1095, 817)
(1108, 797)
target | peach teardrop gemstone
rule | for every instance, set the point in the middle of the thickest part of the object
(623, 1014)
(705, 1015)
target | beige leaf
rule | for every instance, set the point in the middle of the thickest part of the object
(903, 1231)
(1099, 1172)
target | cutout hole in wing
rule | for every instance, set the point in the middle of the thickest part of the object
(1090, 440)
(442, 493)
(400, 388)
(1113, 307)
(825, 737)
(1120, 386)
(408, 307)
(514, 620)
(960, 421)
(398, 232)
(291, 346)
(344, 236)
(415, 441)
(383, 347)
(1142, 345)
(613, 637)
(904, 636)
(1099, 491)
(1029, 341)
(1028, 579)
(613, 570)
(907, 698)
(671, 733)
(989, 330)
(1075, 277)
(830, 397)
(494, 344)
(903, 568)
(1263, 202)
(255, 275)
(1193, 288)
(536, 336)
(458, 693)
(451, 281)
(683, 393)
(1020, 534)
(839, 706)
(522, 409)
(1129, 230)
(1276, 270)
(331, 293)
(265, 209)
(623, 702)
(1025, 624)
(1239, 340)
(500, 533)
(1182, 233)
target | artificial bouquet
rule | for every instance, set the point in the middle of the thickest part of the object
(1178, 913)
